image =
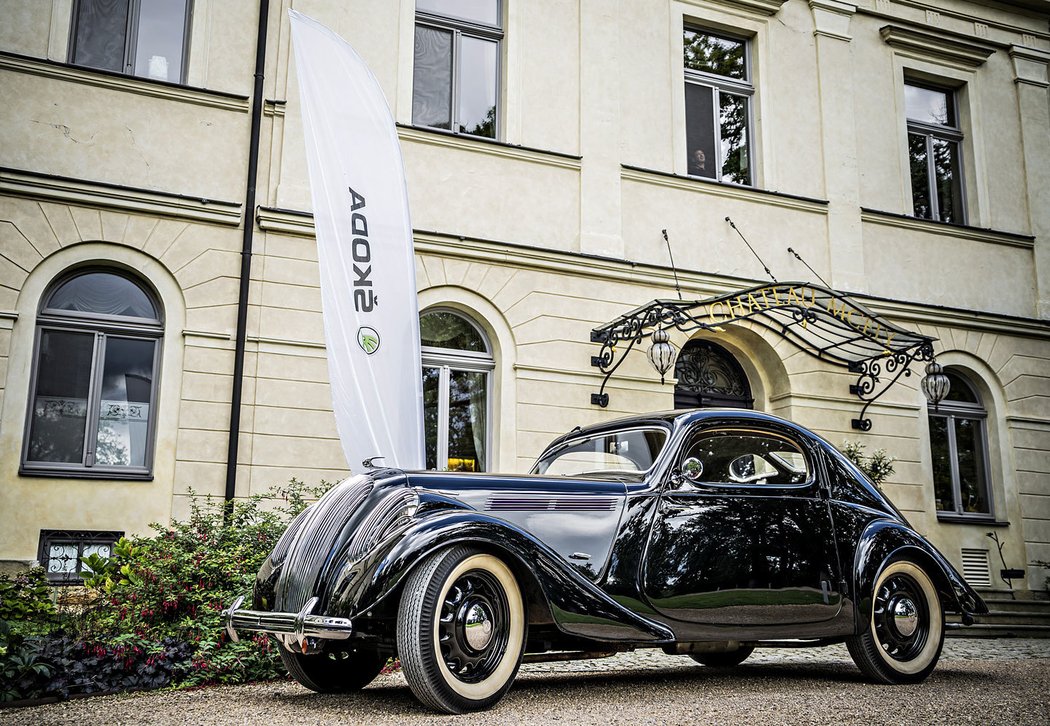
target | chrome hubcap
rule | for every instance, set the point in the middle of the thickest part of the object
(901, 617)
(905, 617)
(473, 626)
(477, 627)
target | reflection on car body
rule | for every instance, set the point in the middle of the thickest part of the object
(705, 533)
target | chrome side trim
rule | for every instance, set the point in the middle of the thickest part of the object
(300, 625)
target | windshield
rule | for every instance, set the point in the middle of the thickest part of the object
(631, 451)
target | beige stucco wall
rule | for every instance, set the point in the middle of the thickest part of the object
(592, 161)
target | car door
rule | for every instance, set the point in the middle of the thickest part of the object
(744, 536)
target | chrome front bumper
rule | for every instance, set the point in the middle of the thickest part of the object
(291, 628)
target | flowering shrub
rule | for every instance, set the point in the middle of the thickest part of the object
(155, 621)
(878, 467)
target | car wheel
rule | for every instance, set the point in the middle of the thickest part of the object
(905, 634)
(338, 670)
(727, 659)
(461, 630)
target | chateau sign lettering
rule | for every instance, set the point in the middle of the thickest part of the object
(822, 322)
(794, 297)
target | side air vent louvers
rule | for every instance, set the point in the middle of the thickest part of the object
(309, 551)
(544, 504)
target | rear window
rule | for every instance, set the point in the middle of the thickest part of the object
(632, 451)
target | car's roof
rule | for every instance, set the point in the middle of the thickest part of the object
(675, 419)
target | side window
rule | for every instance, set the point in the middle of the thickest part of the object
(959, 444)
(91, 409)
(457, 373)
(718, 106)
(455, 76)
(145, 38)
(751, 458)
(934, 153)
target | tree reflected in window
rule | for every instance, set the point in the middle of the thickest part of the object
(457, 365)
(934, 157)
(959, 449)
(718, 93)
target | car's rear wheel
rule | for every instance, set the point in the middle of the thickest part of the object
(461, 630)
(727, 659)
(336, 670)
(905, 633)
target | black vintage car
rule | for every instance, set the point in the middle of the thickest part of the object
(705, 533)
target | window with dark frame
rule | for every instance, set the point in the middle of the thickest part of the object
(145, 38)
(93, 392)
(959, 445)
(718, 106)
(456, 66)
(457, 367)
(62, 552)
(934, 153)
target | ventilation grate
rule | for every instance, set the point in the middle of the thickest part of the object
(975, 568)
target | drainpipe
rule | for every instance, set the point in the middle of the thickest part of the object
(246, 257)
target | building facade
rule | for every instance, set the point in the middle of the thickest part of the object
(900, 149)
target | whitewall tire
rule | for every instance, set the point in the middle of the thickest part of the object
(461, 630)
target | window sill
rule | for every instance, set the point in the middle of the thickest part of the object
(481, 144)
(85, 474)
(736, 191)
(949, 518)
(122, 82)
(962, 231)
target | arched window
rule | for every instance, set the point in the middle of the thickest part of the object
(709, 376)
(959, 444)
(93, 391)
(457, 370)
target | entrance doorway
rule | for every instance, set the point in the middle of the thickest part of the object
(708, 377)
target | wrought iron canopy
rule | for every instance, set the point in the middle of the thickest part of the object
(824, 323)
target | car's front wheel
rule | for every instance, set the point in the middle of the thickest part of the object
(461, 630)
(336, 670)
(905, 633)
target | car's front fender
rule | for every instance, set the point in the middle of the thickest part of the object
(576, 605)
(884, 541)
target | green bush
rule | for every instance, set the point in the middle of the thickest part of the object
(25, 610)
(174, 584)
(878, 467)
(154, 621)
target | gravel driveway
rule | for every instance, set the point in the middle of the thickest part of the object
(976, 682)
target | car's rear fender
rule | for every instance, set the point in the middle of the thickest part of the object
(884, 541)
(576, 606)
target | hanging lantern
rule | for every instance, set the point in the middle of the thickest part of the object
(935, 385)
(661, 353)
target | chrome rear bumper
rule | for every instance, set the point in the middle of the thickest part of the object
(299, 626)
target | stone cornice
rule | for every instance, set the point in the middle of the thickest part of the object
(80, 192)
(731, 191)
(942, 45)
(121, 82)
(942, 229)
(766, 8)
(285, 221)
(463, 142)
